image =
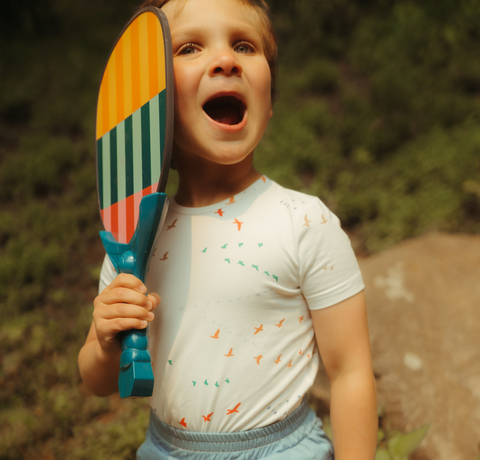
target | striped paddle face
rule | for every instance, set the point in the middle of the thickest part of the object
(134, 125)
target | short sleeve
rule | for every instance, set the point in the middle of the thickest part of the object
(329, 271)
(107, 274)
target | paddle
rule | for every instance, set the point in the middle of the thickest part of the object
(134, 133)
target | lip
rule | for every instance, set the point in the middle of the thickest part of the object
(223, 126)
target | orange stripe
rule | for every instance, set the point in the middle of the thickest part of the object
(119, 80)
(152, 54)
(135, 59)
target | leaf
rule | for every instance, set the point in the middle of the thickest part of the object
(401, 445)
(382, 454)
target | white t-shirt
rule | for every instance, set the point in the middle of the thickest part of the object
(232, 343)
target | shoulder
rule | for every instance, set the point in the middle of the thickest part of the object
(301, 207)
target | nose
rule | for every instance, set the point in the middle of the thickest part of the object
(225, 62)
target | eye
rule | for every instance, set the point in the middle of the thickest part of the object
(244, 47)
(188, 48)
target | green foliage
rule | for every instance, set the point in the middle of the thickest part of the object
(397, 445)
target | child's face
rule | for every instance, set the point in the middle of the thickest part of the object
(222, 80)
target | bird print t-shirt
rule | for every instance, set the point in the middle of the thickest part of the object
(232, 342)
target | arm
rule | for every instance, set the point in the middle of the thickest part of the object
(121, 306)
(343, 341)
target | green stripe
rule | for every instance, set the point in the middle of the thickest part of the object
(155, 140)
(121, 170)
(137, 151)
(100, 171)
(113, 166)
(106, 170)
(129, 156)
(146, 148)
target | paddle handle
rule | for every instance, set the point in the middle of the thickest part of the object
(136, 374)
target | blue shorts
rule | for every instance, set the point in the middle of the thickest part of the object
(299, 436)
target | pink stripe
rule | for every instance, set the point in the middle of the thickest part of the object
(122, 221)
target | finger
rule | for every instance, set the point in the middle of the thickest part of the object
(155, 300)
(127, 281)
(122, 311)
(123, 295)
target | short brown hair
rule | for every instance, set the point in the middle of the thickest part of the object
(266, 29)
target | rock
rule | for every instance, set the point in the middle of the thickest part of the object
(423, 299)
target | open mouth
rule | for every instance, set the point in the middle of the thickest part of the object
(228, 110)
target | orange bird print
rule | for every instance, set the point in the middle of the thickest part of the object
(278, 360)
(236, 221)
(280, 324)
(307, 222)
(232, 200)
(231, 411)
(258, 358)
(230, 353)
(173, 225)
(165, 256)
(301, 319)
(216, 335)
(183, 422)
(206, 418)
(263, 178)
(258, 329)
(219, 212)
(289, 364)
(324, 221)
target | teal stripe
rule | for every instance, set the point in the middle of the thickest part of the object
(156, 150)
(146, 148)
(106, 170)
(100, 171)
(121, 167)
(137, 151)
(129, 156)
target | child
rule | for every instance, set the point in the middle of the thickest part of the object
(246, 270)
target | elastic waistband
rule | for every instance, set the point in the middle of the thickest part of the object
(229, 442)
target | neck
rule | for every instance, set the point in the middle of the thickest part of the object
(202, 183)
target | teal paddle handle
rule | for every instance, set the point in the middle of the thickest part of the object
(136, 374)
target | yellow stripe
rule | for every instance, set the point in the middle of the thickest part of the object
(127, 72)
(152, 55)
(99, 132)
(161, 58)
(143, 52)
(112, 92)
(135, 56)
(119, 81)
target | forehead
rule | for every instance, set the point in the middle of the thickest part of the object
(210, 13)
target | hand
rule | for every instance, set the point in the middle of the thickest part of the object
(121, 306)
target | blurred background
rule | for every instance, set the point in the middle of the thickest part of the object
(378, 114)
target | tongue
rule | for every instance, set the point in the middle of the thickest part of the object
(225, 115)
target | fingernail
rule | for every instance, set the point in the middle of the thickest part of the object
(143, 324)
(143, 289)
(149, 305)
(151, 316)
